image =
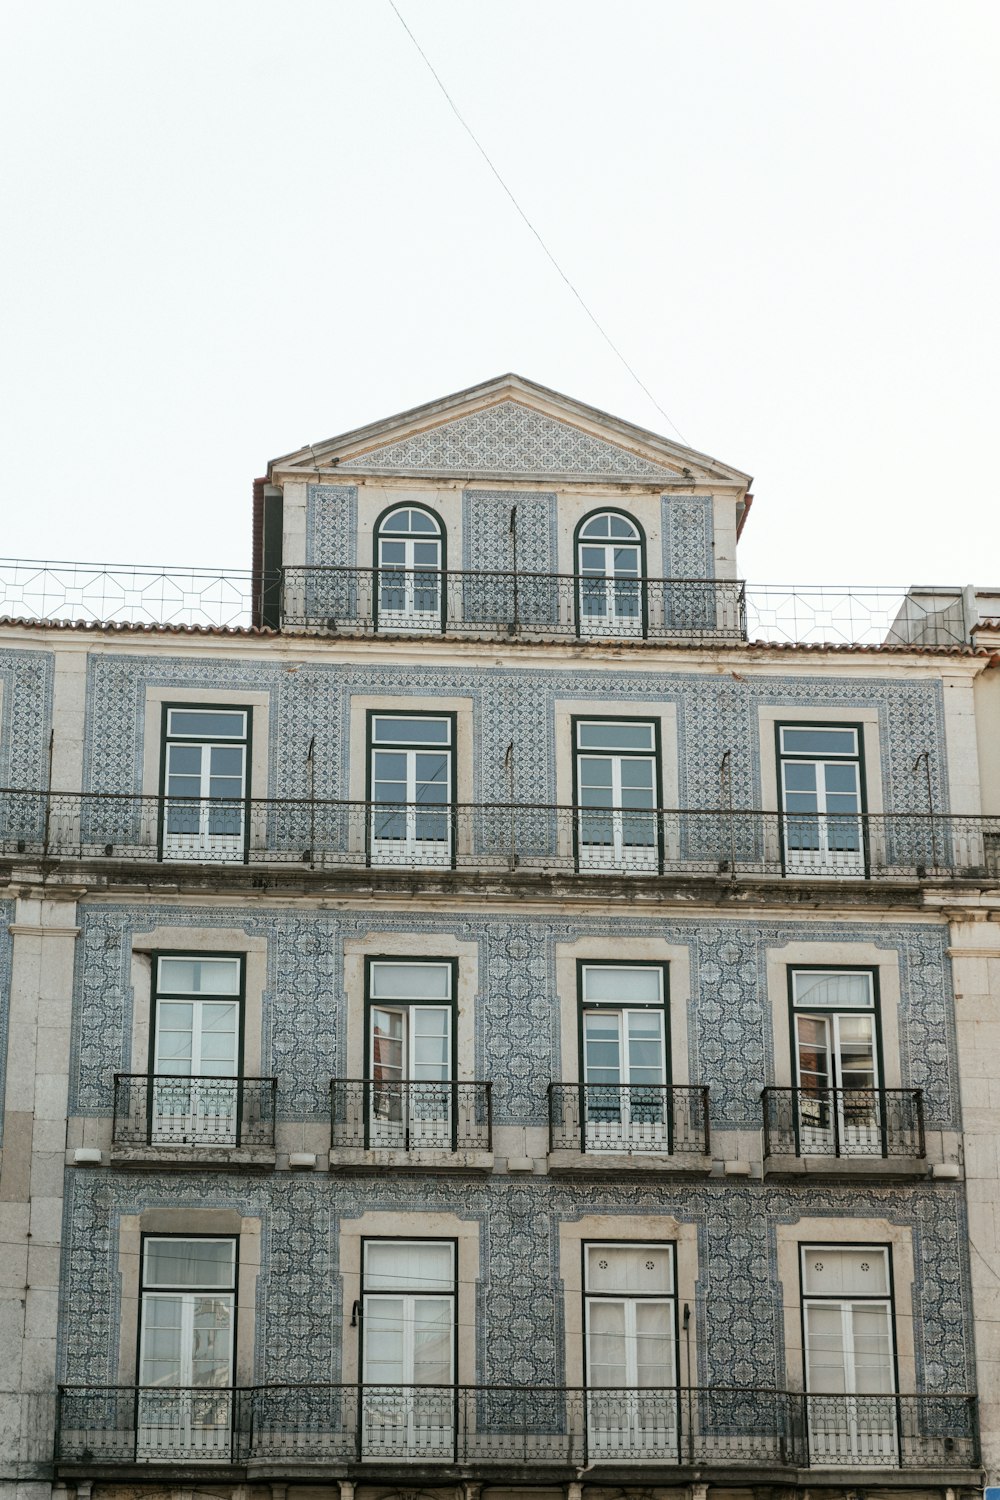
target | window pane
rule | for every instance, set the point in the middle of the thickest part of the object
(829, 1271)
(409, 1265)
(833, 988)
(637, 1269)
(200, 1263)
(206, 724)
(184, 760)
(227, 760)
(819, 741)
(199, 976)
(411, 731)
(410, 981)
(604, 983)
(607, 736)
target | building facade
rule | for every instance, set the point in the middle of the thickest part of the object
(493, 1022)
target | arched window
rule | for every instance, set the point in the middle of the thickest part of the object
(409, 561)
(609, 566)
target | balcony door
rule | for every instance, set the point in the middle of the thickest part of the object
(609, 552)
(187, 1322)
(821, 799)
(839, 1105)
(630, 1326)
(408, 1349)
(410, 1103)
(617, 791)
(624, 1058)
(205, 783)
(409, 550)
(850, 1360)
(410, 817)
(194, 1095)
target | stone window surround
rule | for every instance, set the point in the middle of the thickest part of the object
(837, 1232)
(411, 945)
(632, 1229)
(375, 498)
(180, 1222)
(417, 1226)
(152, 739)
(834, 956)
(416, 705)
(871, 747)
(676, 956)
(207, 940)
(644, 509)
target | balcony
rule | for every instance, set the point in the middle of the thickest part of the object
(384, 1122)
(838, 1130)
(613, 1127)
(507, 1429)
(533, 606)
(162, 1118)
(498, 838)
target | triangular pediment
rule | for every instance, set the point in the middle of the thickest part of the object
(511, 428)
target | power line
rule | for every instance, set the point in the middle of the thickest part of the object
(486, 158)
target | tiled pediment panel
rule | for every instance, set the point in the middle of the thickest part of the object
(509, 438)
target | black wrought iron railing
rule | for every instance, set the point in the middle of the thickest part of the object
(497, 837)
(484, 1427)
(632, 1119)
(540, 605)
(161, 1109)
(843, 1123)
(381, 1114)
(546, 606)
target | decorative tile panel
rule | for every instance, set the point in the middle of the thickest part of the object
(26, 717)
(517, 1022)
(518, 1294)
(331, 542)
(487, 544)
(509, 438)
(688, 536)
(716, 715)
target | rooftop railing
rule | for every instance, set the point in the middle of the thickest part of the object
(493, 838)
(510, 1427)
(541, 606)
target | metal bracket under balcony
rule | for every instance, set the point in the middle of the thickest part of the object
(494, 1429)
(852, 1132)
(640, 1127)
(391, 1122)
(165, 1119)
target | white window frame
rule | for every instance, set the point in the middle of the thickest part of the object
(202, 844)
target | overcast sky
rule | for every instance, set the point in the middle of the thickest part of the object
(231, 227)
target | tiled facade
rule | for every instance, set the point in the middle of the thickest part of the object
(91, 897)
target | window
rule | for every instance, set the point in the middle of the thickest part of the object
(609, 566)
(205, 782)
(624, 1055)
(196, 1049)
(409, 557)
(820, 786)
(412, 775)
(186, 1331)
(408, 1327)
(410, 1050)
(849, 1352)
(840, 1107)
(630, 1322)
(617, 793)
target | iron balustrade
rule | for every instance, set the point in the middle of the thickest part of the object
(163, 1109)
(541, 606)
(634, 1119)
(490, 1427)
(496, 837)
(381, 1114)
(843, 1123)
